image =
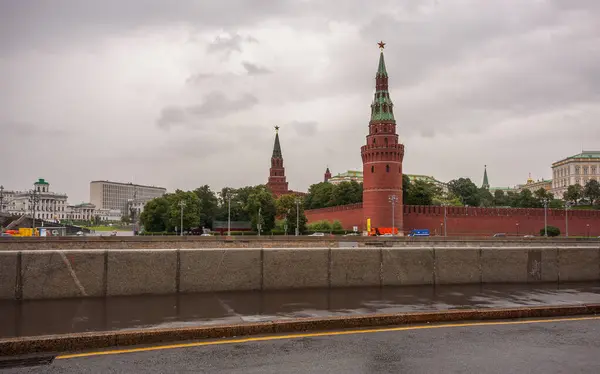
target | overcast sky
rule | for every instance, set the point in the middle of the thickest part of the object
(184, 93)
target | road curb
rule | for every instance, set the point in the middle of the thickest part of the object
(99, 340)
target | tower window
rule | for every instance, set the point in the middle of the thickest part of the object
(386, 141)
(373, 140)
(372, 169)
(387, 168)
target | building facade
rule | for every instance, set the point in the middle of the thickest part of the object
(534, 185)
(39, 202)
(382, 159)
(115, 195)
(577, 169)
(81, 212)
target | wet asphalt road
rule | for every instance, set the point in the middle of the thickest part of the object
(41, 317)
(551, 347)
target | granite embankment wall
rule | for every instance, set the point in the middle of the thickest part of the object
(93, 273)
(470, 221)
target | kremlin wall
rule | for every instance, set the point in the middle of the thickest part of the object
(382, 157)
(470, 221)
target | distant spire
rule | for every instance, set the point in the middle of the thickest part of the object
(486, 183)
(277, 146)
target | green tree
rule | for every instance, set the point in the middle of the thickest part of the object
(591, 191)
(405, 188)
(125, 219)
(551, 230)
(486, 199)
(319, 195)
(574, 193)
(525, 199)
(465, 190)
(155, 216)
(261, 198)
(191, 210)
(286, 207)
(500, 198)
(209, 205)
(421, 193)
(336, 225)
(323, 226)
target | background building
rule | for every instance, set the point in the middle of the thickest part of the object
(533, 186)
(115, 195)
(81, 212)
(577, 169)
(46, 204)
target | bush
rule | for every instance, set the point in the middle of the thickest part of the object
(552, 231)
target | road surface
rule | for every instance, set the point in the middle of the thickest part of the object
(569, 345)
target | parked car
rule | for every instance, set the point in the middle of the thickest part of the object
(529, 236)
(388, 234)
(317, 234)
(499, 235)
(5, 234)
(352, 234)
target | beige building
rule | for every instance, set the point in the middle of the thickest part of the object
(115, 195)
(46, 205)
(357, 176)
(577, 169)
(533, 185)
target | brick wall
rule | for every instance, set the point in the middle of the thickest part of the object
(472, 221)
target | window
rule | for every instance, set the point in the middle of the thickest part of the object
(373, 140)
(372, 169)
(386, 141)
(387, 168)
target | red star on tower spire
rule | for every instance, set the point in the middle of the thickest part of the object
(381, 45)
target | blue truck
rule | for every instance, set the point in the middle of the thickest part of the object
(419, 232)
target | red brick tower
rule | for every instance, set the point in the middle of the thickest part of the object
(277, 183)
(327, 175)
(382, 159)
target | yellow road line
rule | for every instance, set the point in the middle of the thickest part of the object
(317, 334)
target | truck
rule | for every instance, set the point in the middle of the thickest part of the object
(419, 232)
(380, 231)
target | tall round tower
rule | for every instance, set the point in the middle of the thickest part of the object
(382, 159)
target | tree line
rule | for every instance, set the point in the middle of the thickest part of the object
(203, 206)
(256, 204)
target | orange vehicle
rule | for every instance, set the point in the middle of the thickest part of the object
(379, 231)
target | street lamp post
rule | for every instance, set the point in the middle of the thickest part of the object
(445, 220)
(393, 199)
(1, 198)
(297, 200)
(588, 230)
(228, 213)
(567, 207)
(34, 199)
(182, 204)
(258, 225)
(517, 224)
(545, 202)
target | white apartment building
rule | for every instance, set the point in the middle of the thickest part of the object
(109, 215)
(115, 195)
(577, 169)
(46, 204)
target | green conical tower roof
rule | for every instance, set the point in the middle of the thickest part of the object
(486, 183)
(276, 146)
(382, 108)
(381, 68)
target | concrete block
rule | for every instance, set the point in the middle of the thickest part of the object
(295, 268)
(457, 266)
(140, 272)
(355, 267)
(504, 265)
(8, 275)
(220, 270)
(406, 266)
(60, 274)
(549, 264)
(578, 264)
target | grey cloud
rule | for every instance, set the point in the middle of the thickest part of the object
(198, 78)
(254, 69)
(215, 105)
(230, 43)
(304, 128)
